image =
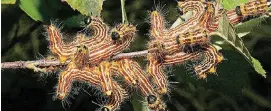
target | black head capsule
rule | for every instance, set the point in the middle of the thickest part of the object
(151, 99)
(115, 36)
(268, 3)
(238, 11)
(180, 11)
(105, 109)
(87, 20)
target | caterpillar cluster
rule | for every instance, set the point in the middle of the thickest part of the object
(190, 40)
(90, 57)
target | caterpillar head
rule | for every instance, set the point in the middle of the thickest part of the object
(123, 32)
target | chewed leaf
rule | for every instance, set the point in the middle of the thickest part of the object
(8, 1)
(87, 7)
(227, 32)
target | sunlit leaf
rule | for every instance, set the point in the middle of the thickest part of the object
(8, 1)
(87, 7)
(227, 32)
(230, 4)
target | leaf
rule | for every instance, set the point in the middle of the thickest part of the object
(75, 21)
(258, 67)
(230, 4)
(227, 32)
(87, 7)
(247, 27)
(39, 10)
(8, 1)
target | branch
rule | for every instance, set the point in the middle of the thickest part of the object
(44, 62)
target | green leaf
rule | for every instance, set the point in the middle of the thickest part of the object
(227, 32)
(8, 1)
(39, 10)
(246, 27)
(75, 21)
(87, 7)
(231, 4)
(258, 67)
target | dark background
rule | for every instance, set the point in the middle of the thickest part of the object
(237, 86)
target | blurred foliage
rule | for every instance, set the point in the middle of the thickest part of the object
(236, 87)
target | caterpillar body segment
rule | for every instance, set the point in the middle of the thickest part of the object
(56, 44)
(99, 30)
(125, 34)
(71, 74)
(103, 71)
(198, 36)
(155, 69)
(114, 101)
(211, 58)
(157, 25)
(197, 8)
(254, 8)
(180, 58)
(121, 68)
(81, 57)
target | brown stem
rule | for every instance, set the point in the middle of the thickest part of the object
(44, 63)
